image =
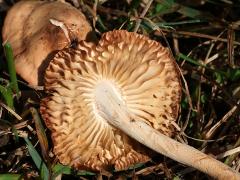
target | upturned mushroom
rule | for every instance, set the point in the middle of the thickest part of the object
(135, 71)
(106, 99)
(127, 84)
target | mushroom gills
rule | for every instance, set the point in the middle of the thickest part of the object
(124, 88)
(136, 71)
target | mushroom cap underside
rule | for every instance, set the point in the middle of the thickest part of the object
(138, 70)
(36, 29)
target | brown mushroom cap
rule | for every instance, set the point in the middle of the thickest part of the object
(139, 71)
(35, 29)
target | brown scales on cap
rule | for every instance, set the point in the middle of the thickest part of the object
(140, 72)
(33, 30)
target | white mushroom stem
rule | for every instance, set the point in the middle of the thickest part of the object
(116, 113)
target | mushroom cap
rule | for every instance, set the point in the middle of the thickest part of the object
(35, 29)
(141, 73)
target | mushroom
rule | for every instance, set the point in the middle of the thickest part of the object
(137, 71)
(127, 84)
(36, 29)
(104, 100)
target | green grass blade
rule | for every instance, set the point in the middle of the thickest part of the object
(190, 12)
(61, 169)
(38, 160)
(101, 24)
(11, 177)
(7, 96)
(167, 6)
(85, 173)
(11, 68)
(15, 132)
(190, 60)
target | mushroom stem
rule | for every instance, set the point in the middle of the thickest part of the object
(116, 113)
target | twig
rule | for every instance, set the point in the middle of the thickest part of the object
(194, 34)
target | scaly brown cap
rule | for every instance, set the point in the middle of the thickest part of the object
(138, 70)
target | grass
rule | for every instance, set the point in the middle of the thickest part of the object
(205, 41)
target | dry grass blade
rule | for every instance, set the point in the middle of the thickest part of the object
(11, 111)
(139, 20)
(149, 170)
(224, 119)
(229, 152)
(199, 35)
(40, 133)
(234, 156)
(230, 47)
